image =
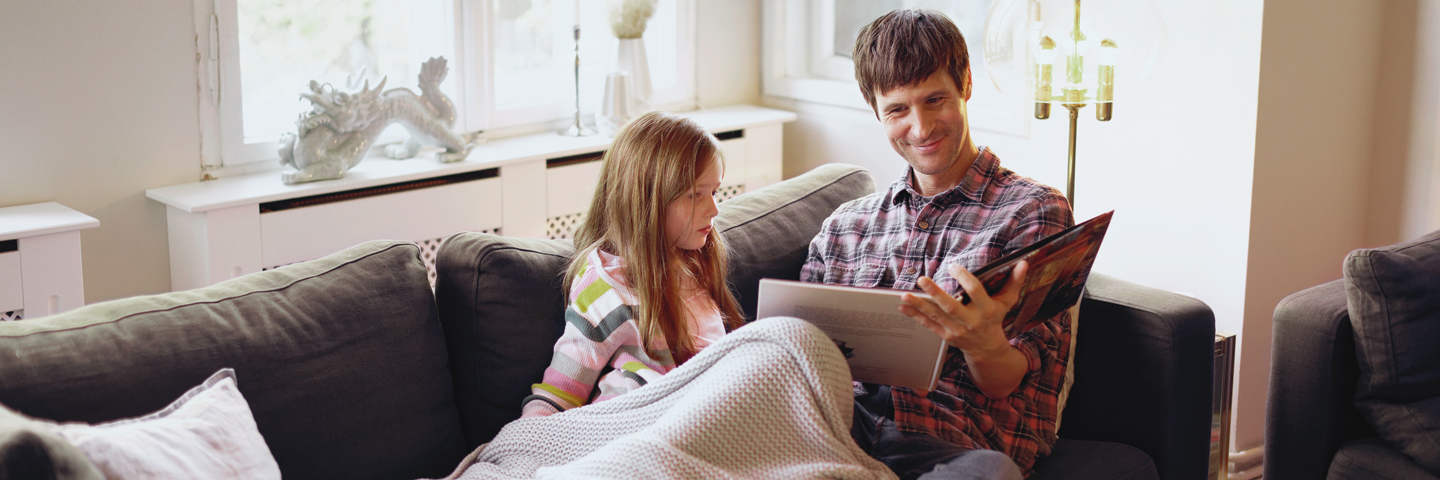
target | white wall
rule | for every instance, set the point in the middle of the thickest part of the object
(97, 104)
(727, 52)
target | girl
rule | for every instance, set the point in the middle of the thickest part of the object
(647, 283)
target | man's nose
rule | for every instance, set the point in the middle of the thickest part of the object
(922, 123)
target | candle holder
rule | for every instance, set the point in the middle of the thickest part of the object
(578, 129)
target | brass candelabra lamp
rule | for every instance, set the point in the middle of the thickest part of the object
(1025, 40)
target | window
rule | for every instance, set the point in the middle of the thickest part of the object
(511, 63)
(808, 44)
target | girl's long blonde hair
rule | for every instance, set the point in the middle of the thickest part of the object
(654, 160)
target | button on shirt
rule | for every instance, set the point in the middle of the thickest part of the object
(891, 238)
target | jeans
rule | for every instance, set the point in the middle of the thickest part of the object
(918, 455)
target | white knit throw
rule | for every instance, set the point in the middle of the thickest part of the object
(770, 400)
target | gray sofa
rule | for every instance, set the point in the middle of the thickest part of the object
(353, 369)
(1355, 371)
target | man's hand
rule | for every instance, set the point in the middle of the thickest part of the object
(976, 328)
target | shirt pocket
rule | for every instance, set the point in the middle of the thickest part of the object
(866, 275)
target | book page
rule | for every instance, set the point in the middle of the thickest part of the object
(880, 344)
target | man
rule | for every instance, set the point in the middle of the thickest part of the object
(955, 210)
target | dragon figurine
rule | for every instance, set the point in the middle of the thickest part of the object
(335, 135)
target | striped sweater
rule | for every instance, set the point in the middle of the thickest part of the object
(600, 355)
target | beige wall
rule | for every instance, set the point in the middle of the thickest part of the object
(1402, 199)
(1312, 167)
(97, 104)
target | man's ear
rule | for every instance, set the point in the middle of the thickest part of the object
(967, 87)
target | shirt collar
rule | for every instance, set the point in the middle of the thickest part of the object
(971, 186)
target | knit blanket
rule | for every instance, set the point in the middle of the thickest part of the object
(769, 400)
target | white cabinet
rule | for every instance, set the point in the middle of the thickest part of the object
(40, 271)
(531, 186)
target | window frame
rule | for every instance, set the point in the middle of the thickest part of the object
(796, 63)
(225, 153)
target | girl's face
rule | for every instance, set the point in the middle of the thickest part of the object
(687, 219)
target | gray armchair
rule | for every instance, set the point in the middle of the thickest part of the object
(1331, 402)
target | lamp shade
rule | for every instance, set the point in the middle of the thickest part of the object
(1038, 48)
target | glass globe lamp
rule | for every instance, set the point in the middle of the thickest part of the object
(1069, 51)
(1075, 54)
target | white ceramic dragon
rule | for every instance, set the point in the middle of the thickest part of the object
(335, 135)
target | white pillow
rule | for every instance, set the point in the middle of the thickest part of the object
(208, 432)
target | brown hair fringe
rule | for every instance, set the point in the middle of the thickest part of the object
(905, 47)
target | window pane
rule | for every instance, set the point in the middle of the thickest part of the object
(853, 15)
(968, 15)
(534, 51)
(660, 45)
(285, 44)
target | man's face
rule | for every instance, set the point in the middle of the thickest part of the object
(926, 122)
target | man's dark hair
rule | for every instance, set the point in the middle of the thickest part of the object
(905, 47)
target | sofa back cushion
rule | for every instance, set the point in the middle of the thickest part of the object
(1393, 296)
(341, 360)
(502, 307)
(768, 231)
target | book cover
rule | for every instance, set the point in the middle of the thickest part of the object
(1059, 267)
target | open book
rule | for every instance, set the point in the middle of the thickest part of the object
(886, 347)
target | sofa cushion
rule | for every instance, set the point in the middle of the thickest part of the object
(1371, 458)
(768, 231)
(502, 307)
(1393, 296)
(502, 310)
(342, 360)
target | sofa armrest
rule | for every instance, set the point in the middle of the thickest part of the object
(1143, 367)
(1313, 372)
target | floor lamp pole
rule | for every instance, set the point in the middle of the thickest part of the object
(1070, 166)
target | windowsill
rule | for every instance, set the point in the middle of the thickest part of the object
(266, 186)
(42, 219)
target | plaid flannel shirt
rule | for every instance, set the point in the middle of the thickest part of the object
(890, 238)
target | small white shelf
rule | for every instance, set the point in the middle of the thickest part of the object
(41, 219)
(266, 186)
(526, 186)
(40, 269)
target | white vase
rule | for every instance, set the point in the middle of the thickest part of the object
(615, 106)
(631, 59)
